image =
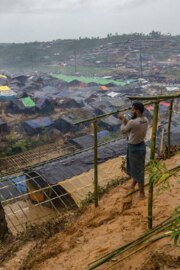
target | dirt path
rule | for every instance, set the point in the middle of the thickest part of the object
(116, 221)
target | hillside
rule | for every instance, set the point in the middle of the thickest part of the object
(120, 55)
(89, 235)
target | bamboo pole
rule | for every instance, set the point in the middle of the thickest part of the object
(169, 126)
(133, 244)
(162, 142)
(160, 97)
(95, 165)
(152, 157)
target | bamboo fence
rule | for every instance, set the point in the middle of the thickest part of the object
(21, 211)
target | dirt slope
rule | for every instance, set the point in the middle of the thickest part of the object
(116, 221)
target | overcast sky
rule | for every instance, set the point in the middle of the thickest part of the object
(43, 20)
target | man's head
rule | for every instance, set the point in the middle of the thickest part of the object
(137, 109)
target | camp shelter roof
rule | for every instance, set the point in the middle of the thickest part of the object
(8, 190)
(87, 80)
(103, 87)
(111, 120)
(165, 104)
(39, 122)
(149, 107)
(7, 95)
(4, 88)
(65, 168)
(83, 141)
(3, 81)
(28, 102)
(102, 105)
(118, 101)
(3, 76)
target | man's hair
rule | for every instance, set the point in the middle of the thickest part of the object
(138, 106)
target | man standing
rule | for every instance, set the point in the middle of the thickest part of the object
(136, 129)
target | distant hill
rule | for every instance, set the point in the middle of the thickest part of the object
(70, 52)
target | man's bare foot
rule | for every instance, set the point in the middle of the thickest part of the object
(142, 196)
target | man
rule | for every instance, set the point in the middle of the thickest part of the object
(136, 129)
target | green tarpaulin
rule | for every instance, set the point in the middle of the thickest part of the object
(98, 80)
(27, 102)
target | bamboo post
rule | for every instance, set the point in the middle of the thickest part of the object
(95, 165)
(152, 156)
(169, 126)
(162, 142)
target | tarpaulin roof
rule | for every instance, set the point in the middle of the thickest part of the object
(83, 141)
(4, 88)
(8, 190)
(164, 103)
(39, 122)
(3, 76)
(149, 107)
(7, 95)
(65, 168)
(28, 102)
(98, 80)
(104, 88)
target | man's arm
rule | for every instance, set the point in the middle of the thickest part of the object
(126, 127)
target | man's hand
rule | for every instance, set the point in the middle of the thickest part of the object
(123, 118)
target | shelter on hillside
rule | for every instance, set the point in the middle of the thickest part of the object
(83, 142)
(44, 105)
(101, 106)
(12, 186)
(110, 123)
(65, 125)
(68, 103)
(57, 171)
(38, 125)
(22, 105)
(87, 141)
(6, 93)
(19, 79)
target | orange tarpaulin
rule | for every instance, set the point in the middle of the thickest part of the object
(104, 88)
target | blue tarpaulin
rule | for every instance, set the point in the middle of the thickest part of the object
(20, 183)
(39, 122)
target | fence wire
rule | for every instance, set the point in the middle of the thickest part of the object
(29, 199)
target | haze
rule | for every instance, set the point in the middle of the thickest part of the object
(43, 20)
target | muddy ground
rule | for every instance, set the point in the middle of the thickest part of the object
(80, 238)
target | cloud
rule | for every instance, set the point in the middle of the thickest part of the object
(46, 6)
(42, 6)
